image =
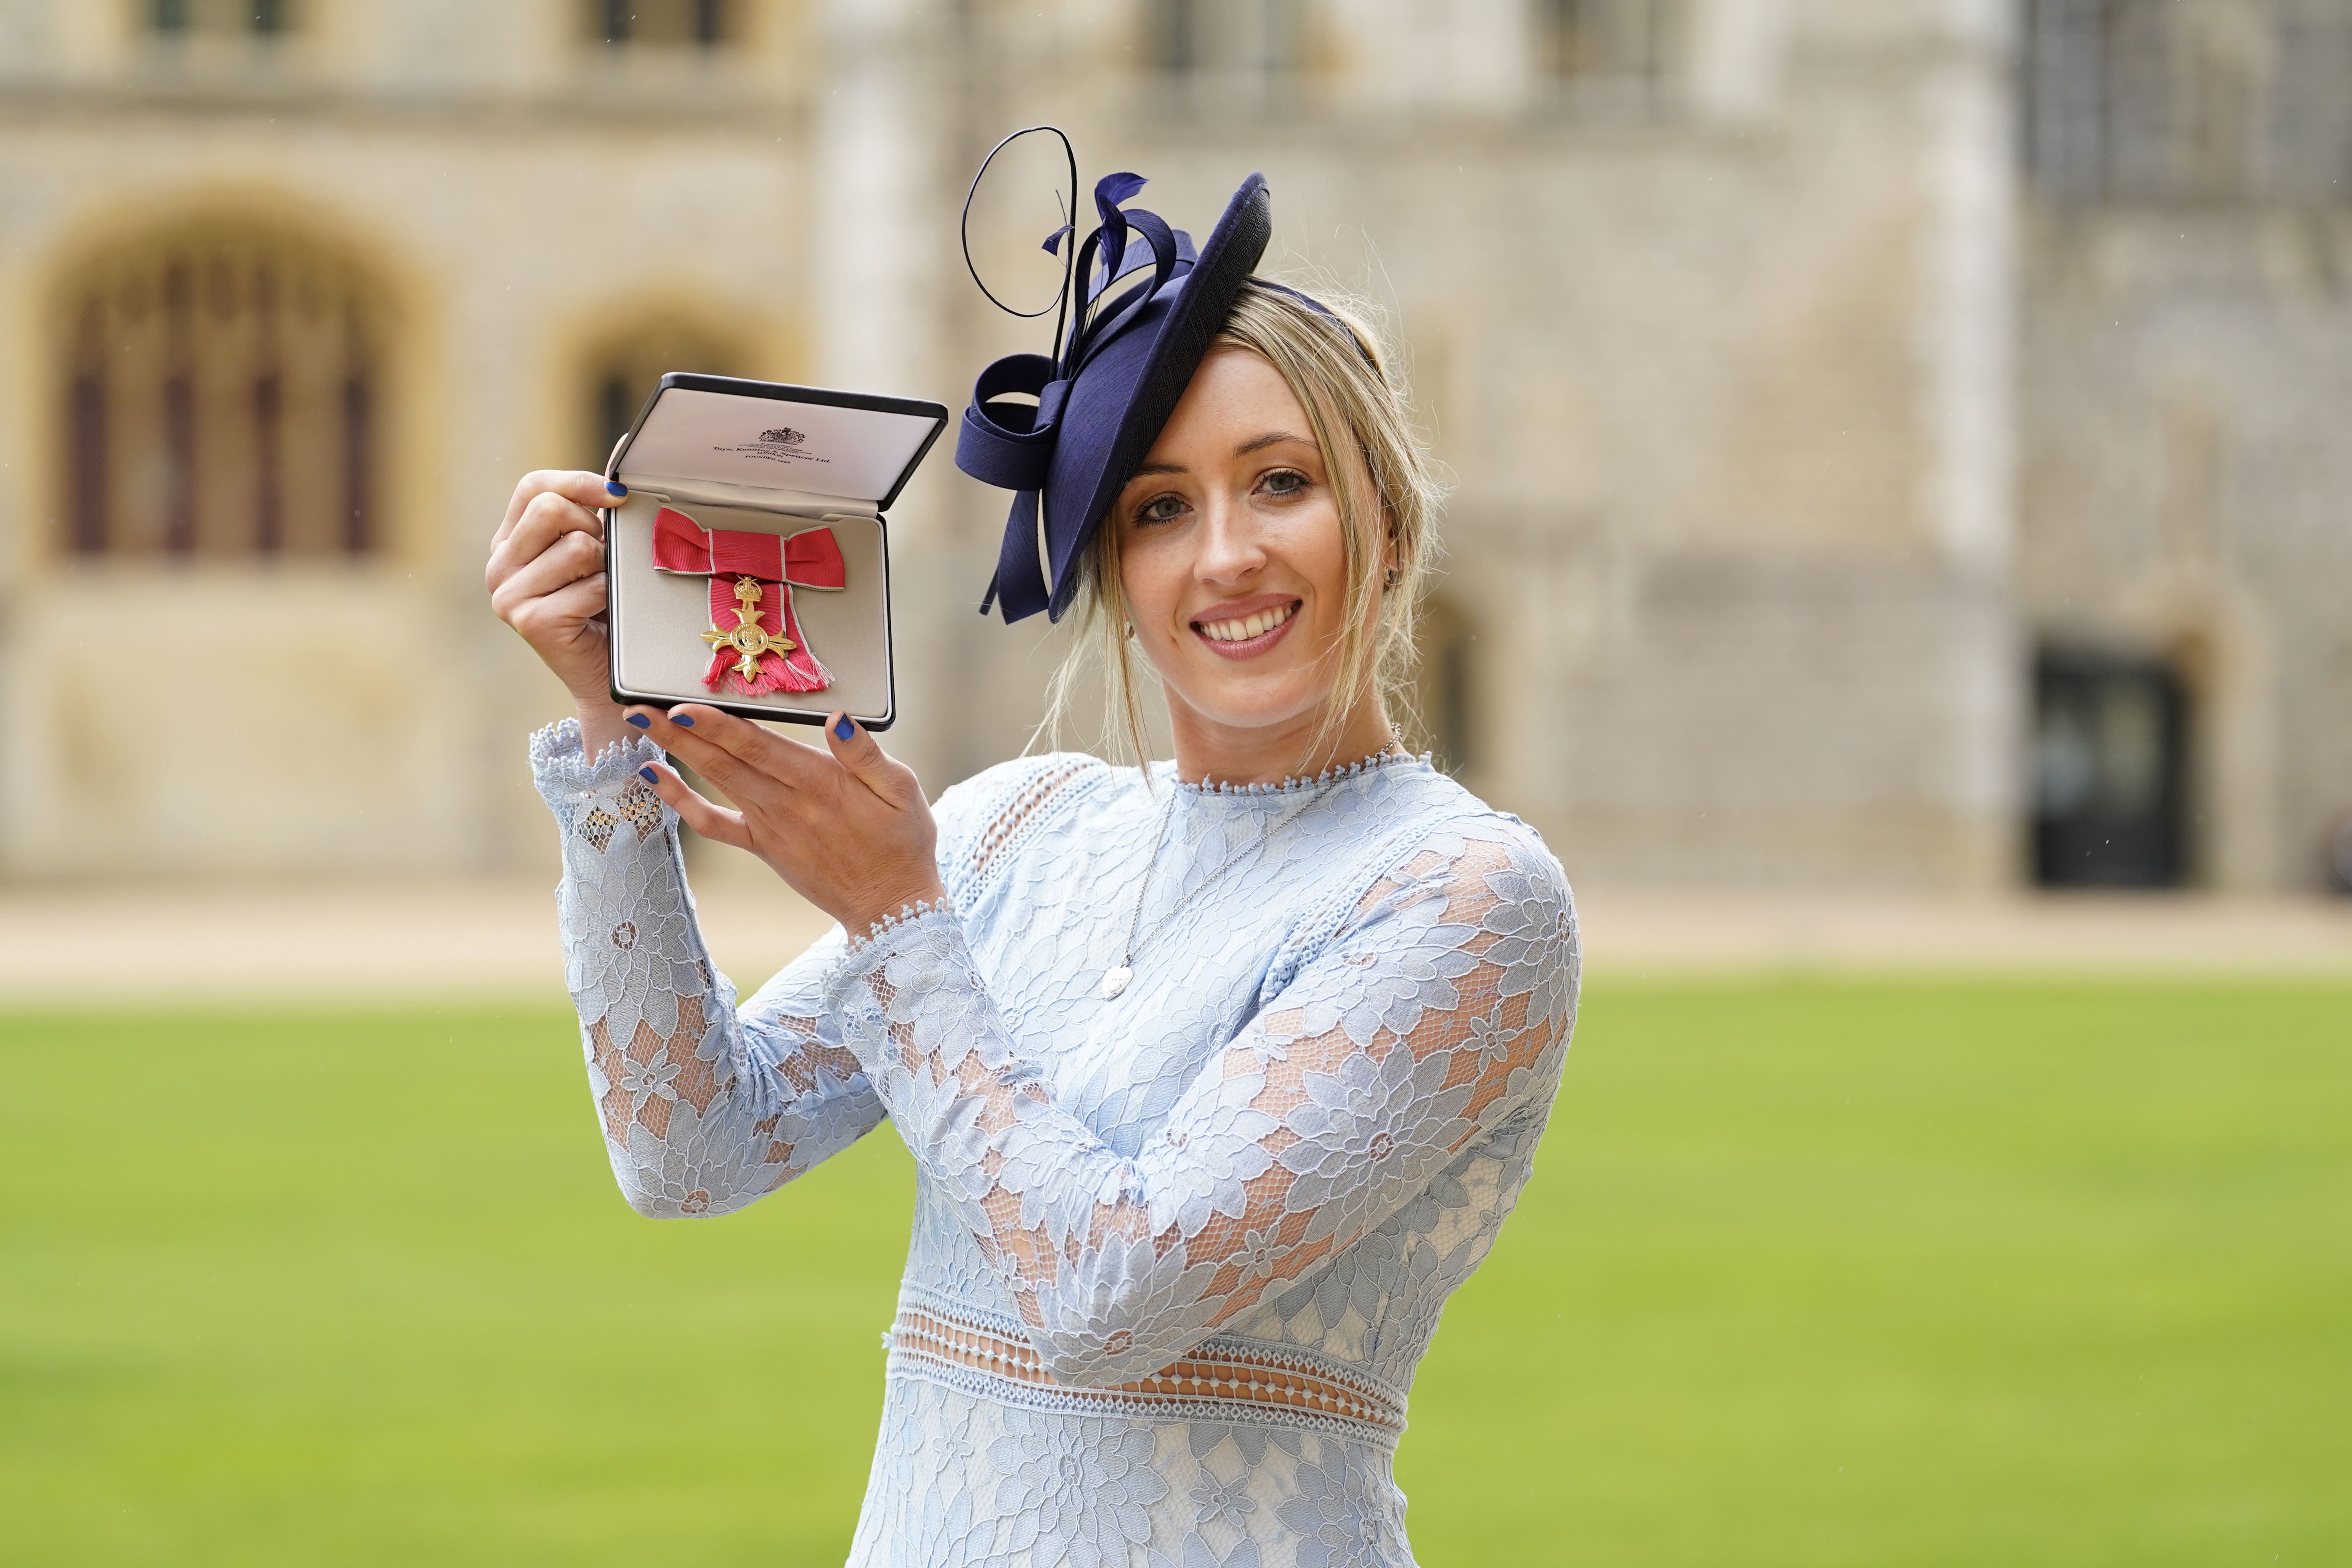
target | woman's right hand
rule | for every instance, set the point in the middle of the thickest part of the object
(546, 577)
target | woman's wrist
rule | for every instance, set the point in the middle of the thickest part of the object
(873, 909)
(600, 724)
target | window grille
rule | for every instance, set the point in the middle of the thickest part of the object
(1619, 43)
(176, 18)
(703, 23)
(1225, 38)
(2111, 765)
(222, 398)
(2188, 100)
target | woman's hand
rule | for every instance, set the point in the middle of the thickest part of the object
(847, 827)
(546, 577)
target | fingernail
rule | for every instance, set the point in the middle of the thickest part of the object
(845, 730)
(639, 720)
(646, 773)
(683, 720)
(617, 488)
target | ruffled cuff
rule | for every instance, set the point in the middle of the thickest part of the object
(576, 788)
(907, 915)
(566, 773)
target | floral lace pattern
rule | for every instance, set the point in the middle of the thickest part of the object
(1281, 1147)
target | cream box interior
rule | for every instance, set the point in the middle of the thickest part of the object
(762, 457)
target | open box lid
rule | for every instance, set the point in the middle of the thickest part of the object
(802, 450)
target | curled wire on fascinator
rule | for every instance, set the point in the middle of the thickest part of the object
(1065, 431)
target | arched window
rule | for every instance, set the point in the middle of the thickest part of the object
(222, 394)
(623, 367)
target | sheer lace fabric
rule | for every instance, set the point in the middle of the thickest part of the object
(1176, 1255)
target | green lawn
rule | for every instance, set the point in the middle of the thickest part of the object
(1809, 1274)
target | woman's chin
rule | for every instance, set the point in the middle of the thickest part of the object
(1271, 704)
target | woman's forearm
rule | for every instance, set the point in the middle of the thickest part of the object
(704, 1109)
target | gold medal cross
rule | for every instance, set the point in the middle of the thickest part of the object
(749, 637)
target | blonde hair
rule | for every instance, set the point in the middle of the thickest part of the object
(1386, 493)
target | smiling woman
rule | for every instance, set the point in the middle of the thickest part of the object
(1220, 1074)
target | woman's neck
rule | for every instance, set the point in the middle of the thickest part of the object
(1208, 752)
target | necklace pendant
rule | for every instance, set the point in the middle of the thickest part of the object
(1114, 980)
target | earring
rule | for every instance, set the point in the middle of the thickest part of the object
(1131, 631)
(1392, 579)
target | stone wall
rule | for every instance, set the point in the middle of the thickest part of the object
(1727, 361)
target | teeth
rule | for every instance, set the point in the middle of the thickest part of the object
(1247, 626)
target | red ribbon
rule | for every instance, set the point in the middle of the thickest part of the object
(810, 559)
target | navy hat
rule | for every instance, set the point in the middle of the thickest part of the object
(1103, 396)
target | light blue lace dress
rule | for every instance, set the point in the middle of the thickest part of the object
(1176, 1254)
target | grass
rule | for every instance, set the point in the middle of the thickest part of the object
(1809, 1274)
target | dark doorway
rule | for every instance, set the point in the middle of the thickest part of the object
(2110, 766)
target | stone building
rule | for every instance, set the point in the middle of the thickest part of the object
(1895, 441)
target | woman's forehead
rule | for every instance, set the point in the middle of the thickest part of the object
(1236, 399)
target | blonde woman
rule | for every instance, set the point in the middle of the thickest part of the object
(1220, 1074)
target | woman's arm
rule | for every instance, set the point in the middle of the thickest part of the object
(1443, 1009)
(704, 1107)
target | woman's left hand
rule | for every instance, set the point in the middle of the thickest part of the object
(846, 827)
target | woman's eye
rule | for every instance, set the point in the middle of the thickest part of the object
(1161, 508)
(1284, 482)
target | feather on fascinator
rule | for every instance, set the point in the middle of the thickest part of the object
(1103, 395)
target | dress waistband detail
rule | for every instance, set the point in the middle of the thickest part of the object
(1206, 1384)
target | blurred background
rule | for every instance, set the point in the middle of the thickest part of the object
(1898, 443)
(1902, 523)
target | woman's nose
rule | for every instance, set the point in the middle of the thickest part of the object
(1230, 548)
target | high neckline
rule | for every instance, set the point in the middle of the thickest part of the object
(1374, 761)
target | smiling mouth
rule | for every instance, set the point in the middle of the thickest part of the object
(1243, 635)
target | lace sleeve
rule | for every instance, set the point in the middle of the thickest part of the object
(704, 1108)
(1441, 1008)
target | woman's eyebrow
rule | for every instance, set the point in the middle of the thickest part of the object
(1160, 468)
(1271, 439)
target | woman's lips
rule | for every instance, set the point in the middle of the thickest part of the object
(1284, 613)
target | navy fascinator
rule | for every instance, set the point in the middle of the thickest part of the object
(1110, 383)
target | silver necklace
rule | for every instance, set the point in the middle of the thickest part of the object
(1116, 977)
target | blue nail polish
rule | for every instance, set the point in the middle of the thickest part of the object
(845, 730)
(683, 720)
(617, 488)
(639, 720)
(647, 775)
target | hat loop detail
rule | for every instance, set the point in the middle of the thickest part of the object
(1064, 431)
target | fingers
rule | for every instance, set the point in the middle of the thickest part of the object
(713, 822)
(546, 618)
(568, 559)
(575, 485)
(726, 741)
(856, 749)
(550, 520)
(684, 732)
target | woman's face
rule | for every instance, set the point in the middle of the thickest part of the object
(1230, 555)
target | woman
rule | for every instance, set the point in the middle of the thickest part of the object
(1219, 1074)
